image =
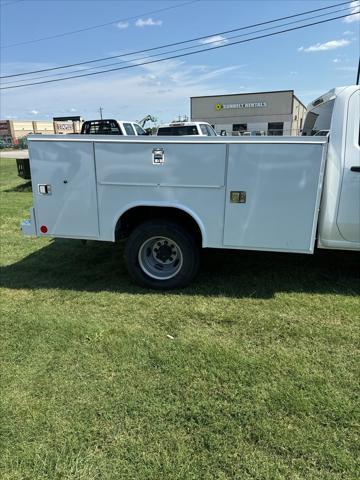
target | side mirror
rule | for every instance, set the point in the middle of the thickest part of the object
(223, 133)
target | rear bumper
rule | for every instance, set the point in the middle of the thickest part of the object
(28, 226)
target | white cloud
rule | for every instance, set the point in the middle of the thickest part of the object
(72, 109)
(162, 89)
(122, 25)
(355, 9)
(348, 32)
(322, 47)
(336, 60)
(148, 22)
(347, 69)
(215, 40)
(34, 112)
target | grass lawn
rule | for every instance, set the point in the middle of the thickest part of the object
(250, 373)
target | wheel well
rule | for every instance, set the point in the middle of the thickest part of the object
(133, 217)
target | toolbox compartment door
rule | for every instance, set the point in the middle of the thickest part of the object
(64, 188)
(273, 196)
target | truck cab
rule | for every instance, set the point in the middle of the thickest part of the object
(174, 129)
(336, 115)
(111, 127)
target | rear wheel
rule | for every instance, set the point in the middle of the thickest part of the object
(162, 255)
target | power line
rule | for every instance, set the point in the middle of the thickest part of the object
(177, 43)
(180, 55)
(101, 25)
(225, 39)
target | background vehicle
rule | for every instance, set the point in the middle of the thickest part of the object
(174, 129)
(172, 196)
(111, 127)
(254, 133)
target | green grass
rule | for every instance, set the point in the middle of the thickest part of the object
(260, 380)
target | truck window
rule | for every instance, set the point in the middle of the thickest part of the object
(129, 129)
(101, 127)
(319, 118)
(177, 131)
(139, 130)
(114, 128)
(203, 129)
(211, 131)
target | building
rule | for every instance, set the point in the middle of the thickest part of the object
(261, 113)
(11, 131)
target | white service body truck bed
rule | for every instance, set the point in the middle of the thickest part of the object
(93, 181)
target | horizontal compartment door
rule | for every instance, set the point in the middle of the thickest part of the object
(157, 164)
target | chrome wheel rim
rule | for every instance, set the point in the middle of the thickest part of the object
(160, 258)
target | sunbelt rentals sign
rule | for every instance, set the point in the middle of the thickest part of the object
(225, 106)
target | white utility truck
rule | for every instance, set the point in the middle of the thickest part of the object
(170, 196)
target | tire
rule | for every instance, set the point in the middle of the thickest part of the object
(162, 255)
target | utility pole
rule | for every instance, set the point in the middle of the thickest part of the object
(101, 110)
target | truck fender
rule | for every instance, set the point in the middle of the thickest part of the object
(177, 206)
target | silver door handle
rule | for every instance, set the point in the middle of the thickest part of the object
(158, 156)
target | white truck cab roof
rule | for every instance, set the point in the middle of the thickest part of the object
(202, 129)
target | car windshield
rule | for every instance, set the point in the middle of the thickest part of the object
(319, 118)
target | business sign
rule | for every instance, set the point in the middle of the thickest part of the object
(65, 126)
(225, 106)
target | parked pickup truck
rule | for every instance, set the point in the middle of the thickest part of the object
(111, 127)
(202, 129)
(171, 196)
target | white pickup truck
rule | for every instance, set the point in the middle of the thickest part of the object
(171, 196)
(173, 129)
(111, 127)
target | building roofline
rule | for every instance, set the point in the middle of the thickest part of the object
(245, 93)
(19, 120)
(298, 99)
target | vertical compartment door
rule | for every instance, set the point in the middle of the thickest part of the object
(272, 197)
(63, 177)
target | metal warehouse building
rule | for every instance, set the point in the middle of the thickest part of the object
(261, 113)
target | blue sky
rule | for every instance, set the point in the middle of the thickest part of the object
(310, 61)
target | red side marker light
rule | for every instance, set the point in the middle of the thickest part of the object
(43, 229)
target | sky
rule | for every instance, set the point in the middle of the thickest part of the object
(309, 61)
